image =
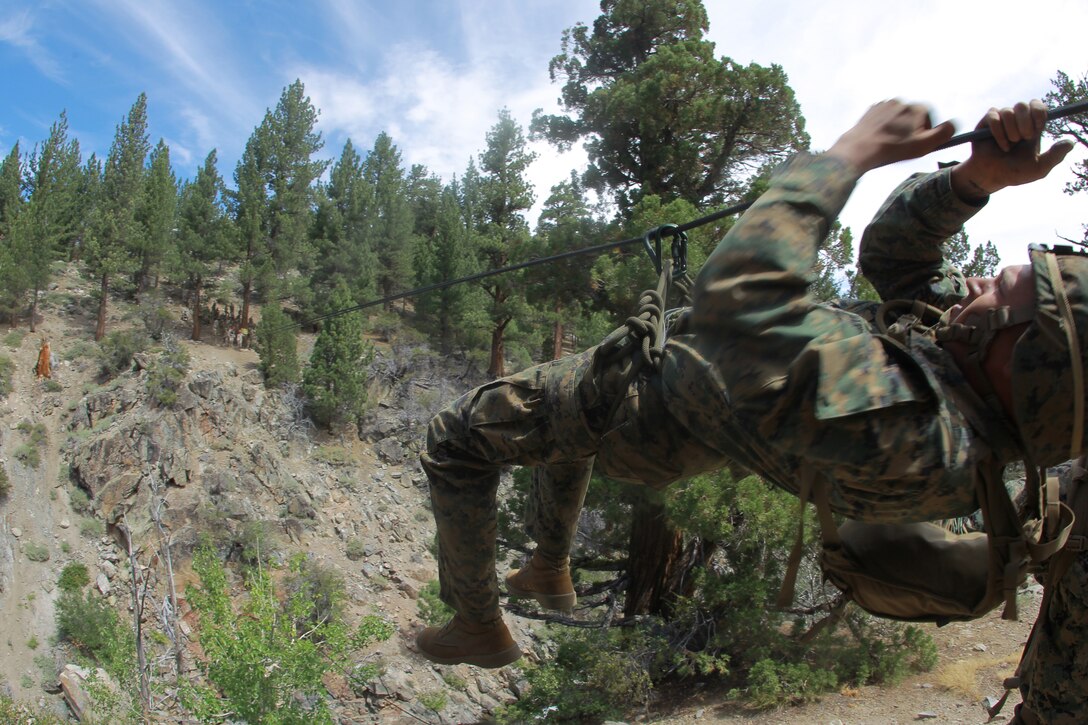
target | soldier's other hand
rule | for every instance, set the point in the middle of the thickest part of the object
(890, 131)
(1013, 156)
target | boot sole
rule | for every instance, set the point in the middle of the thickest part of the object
(559, 602)
(487, 661)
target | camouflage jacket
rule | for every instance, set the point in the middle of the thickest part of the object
(774, 380)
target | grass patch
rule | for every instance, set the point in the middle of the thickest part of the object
(333, 455)
(35, 551)
(962, 676)
(92, 528)
(14, 338)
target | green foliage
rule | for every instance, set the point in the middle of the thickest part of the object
(5, 482)
(117, 349)
(90, 624)
(256, 544)
(333, 455)
(277, 347)
(259, 660)
(773, 683)
(32, 643)
(335, 382)
(36, 551)
(15, 713)
(92, 528)
(79, 499)
(432, 609)
(7, 369)
(318, 585)
(166, 372)
(154, 313)
(1069, 90)
(434, 701)
(355, 549)
(52, 386)
(29, 453)
(73, 577)
(595, 675)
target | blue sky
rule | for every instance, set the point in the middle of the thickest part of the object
(434, 75)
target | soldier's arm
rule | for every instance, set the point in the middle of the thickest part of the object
(902, 251)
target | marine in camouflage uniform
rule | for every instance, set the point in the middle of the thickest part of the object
(758, 374)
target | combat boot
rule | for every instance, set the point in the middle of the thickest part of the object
(546, 581)
(463, 642)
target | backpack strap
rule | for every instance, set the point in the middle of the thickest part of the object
(815, 487)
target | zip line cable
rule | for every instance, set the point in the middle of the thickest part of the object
(978, 134)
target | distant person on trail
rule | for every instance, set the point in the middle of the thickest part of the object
(44, 369)
(894, 423)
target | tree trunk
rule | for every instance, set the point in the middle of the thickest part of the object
(655, 552)
(196, 312)
(496, 368)
(246, 288)
(100, 328)
(557, 333)
(33, 309)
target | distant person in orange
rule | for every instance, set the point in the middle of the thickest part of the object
(44, 368)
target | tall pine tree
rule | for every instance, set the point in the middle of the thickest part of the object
(335, 382)
(115, 229)
(389, 218)
(158, 204)
(202, 233)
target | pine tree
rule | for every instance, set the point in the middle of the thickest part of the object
(1068, 90)
(335, 382)
(202, 233)
(660, 114)
(389, 218)
(13, 277)
(54, 207)
(504, 197)
(277, 347)
(275, 193)
(340, 235)
(155, 213)
(115, 229)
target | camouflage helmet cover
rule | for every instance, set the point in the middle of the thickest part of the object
(1048, 389)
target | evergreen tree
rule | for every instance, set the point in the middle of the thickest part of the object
(389, 219)
(659, 113)
(1068, 90)
(344, 251)
(155, 213)
(980, 261)
(335, 382)
(202, 233)
(442, 258)
(277, 347)
(115, 229)
(504, 196)
(832, 259)
(13, 278)
(424, 192)
(275, 192)
(563, 288)
(54, 207)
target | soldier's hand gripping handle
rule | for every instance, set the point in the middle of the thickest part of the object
(888, 132)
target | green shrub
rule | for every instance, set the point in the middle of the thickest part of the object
(320, 587)
(333, 455)
(432, 609)
(90, 624)
(79, 499)
(7, 369)
(116, 350)
(35, 551)
(73, 577)
(52, 386)
(5, 482)
(261, 667)
(28, 453)
(14, 339)
(355, 549)
(32, 643)
(595, 675)
(78, 349)
(434, 701)
(166, 373)
(92, 528)
(773, 683)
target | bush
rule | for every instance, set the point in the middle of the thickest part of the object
(166, 373)
(14, 338)
(52, 386)
(79, 499)
(263, 668)
(355, 549)
(117, 349)
(90, 624)
(28, 454)
(773, 683)
(92, 528)
(7, 370)
(14, 713)
(432, 609)
(595, 675)
(73, 577)
(35, 551)
(320, 588)
(5, 482)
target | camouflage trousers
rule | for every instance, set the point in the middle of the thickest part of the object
(561, 418)
(1054, 682)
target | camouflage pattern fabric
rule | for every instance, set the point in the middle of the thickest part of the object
(762, 377)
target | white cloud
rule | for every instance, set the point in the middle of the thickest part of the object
(17, 30)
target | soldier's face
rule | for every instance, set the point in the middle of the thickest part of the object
(1013, 287)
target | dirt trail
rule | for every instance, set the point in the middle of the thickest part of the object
(37, 509)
